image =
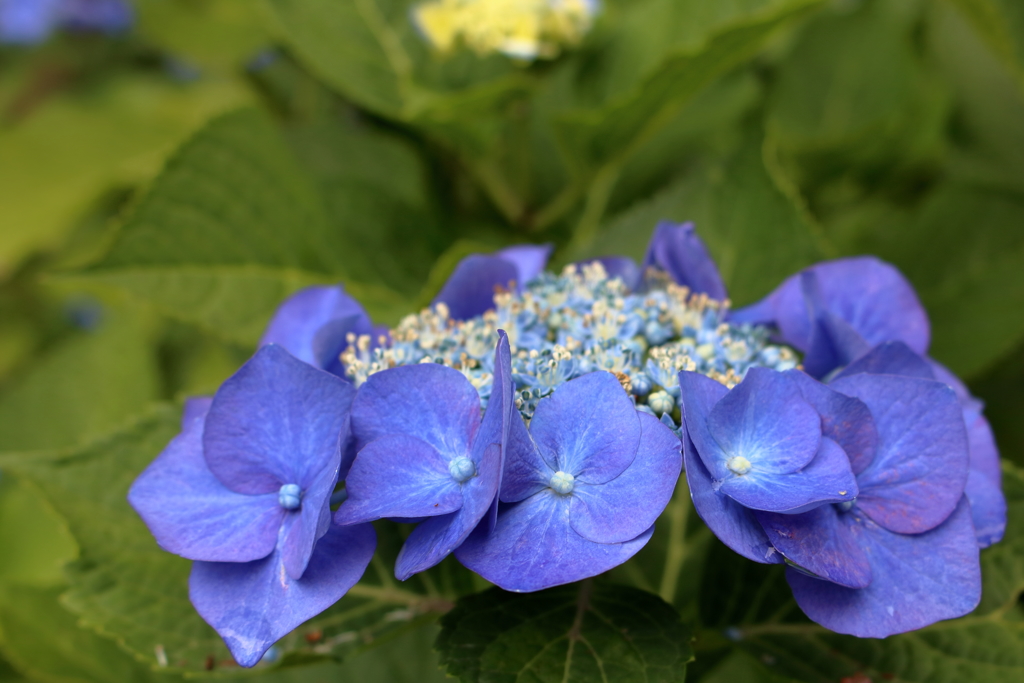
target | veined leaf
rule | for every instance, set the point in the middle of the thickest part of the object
(577, 633)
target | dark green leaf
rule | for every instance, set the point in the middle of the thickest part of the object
(579, 632)
(691, 44)
(756, 233)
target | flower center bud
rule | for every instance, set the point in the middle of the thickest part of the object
(738, 464)
(462, 468)
(846, 505)
(290, 496)
(562, 482)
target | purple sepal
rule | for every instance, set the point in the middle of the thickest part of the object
(820, 543)
(530, 260)
(191, 513)
(623, 508)
(844, 419)
(834, 342)
(253, 604)
(433, 403)
(313, 325)
(917, 579)
(533, 546)
(732, 523)
(920, 468)
(276, 421)
(890, 358)
(680, 252)
(985, 481)
(869, 297)
(469, 291)
(588, 428)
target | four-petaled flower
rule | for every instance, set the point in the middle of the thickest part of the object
(245, 491)
(581, 490)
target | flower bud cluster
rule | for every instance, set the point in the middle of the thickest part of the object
(568, 325)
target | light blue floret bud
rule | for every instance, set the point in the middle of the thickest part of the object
(290, 496)
(846, 505)
(562, 482)
(462, 468)
(661, 402)
(641, 384)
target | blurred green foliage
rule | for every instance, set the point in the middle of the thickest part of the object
(161, 192)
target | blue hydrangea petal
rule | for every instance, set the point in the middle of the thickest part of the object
(499, 421)
(834, 342)
(732, 523)
(921, 466)
(431, 402)
(623, 508)
(469, 290)
(698, 396)
(254, 604)
(871, 296)
(680, 252)
(766, 420)
(276, 421)
(827, 479)
(304, 527)
(191, 513)
(526, 472)
(917, 579)
(820, 543)
(890, 358)
(588, 428)
(534, 547)
(844, 419)
(434, 539)
(984, 482)
(529, 260)
(398, 476)
(313, 323)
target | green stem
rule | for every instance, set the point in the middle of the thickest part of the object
(500, 192)
(678, 512)
(561, 203)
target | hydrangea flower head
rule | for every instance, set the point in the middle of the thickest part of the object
(900, 556)
(523, 29)
(424, 452)
(581, 490)
(245, 490)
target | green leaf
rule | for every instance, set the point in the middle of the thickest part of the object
(77, 144)
(579, 632)
(973, 288)
(44, 641)
(230, 228)
(35, 540)
(756, 233)
(86, 386)
(123, 585)
(1001, 24)
(985, 646)
(704, 41)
